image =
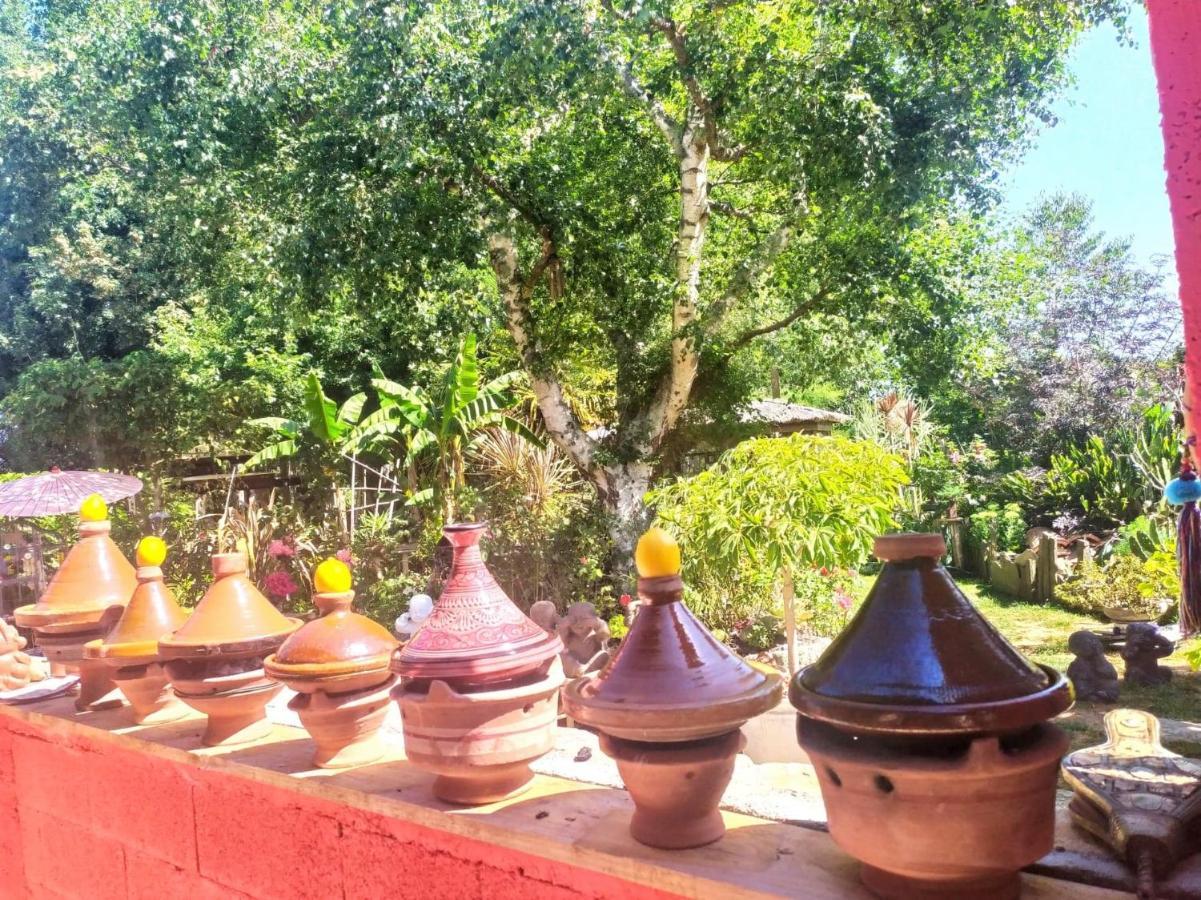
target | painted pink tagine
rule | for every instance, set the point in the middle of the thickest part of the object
(669, 707)
(338, 666)
(479, 684)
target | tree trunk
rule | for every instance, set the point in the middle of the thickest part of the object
(622, 496)
(788, 592)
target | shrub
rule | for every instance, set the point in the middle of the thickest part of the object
(1126, 582)
(1000, 527)
(801, 502)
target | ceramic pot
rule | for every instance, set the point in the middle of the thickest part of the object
(676, 787)
(669, 706)
(345, 727)
(130, 649)
(215, 659)
(480, 743)
(82, 602)
(475, 635)
(338, 665)
(928, 733)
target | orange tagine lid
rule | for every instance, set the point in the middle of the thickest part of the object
(94, 577)
(152, 612)
(671, 679)
(233, 617)
(338, 645)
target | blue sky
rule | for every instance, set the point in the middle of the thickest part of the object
(1106, 144)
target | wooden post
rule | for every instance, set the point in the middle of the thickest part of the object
(1044, 569)
(788, 592)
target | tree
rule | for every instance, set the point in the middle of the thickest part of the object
(442, 424)
(672, 181)
(1082, 339)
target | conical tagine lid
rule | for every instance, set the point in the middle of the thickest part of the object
(476, 634)
(94, 577)
(152, 612)
(232, 617)
(918, 658)
(341, 642)
(670, 680)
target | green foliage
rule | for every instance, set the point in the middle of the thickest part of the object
(618, 628)
(999, 527)
(386, 599)
(1146, 536)
(325, 425)
(1125, 582)
(800, 502)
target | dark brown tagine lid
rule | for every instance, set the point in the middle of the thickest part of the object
(340, 643)
(919, 659)
(232, 618)
(152, 613)
(476, 635)
(670, 680)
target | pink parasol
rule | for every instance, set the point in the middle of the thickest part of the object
(55, 492)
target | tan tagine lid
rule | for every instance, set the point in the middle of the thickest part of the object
(341, 645)
(93, 578)
(152, 613)
(919, 659)
(476, 635)
(670, 680)
(231, 618)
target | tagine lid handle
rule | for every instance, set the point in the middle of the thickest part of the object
(151, 611)
(918, 657)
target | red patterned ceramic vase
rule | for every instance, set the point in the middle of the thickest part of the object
(476, 635)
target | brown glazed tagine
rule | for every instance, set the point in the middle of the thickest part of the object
(479, 684)
(130, 650)
(930, 737)
(669, 707)
(215, 659)
(338, 666)
(83, 600)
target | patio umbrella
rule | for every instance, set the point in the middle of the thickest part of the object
(55, 492)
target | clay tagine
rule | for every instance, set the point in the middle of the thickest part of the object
(83, 600)
(338, 665)
(130, 649)
(669, 706)
(215, 659)
(480, 684)
(930, 738)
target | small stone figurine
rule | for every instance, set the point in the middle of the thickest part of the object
(585, 635)
(1091, 674)
(1145, 646)
(16, 668)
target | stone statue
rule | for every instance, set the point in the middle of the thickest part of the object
(420, 607)
(1145, 646)
(545, 616)
(16, 667)
(585, 637)
(1091, 674)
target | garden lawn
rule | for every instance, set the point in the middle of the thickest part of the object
(1041, 633)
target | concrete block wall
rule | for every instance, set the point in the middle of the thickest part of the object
(84, 815)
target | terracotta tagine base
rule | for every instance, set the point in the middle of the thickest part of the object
(236, 705)
(96, 687)
(480, 743)
(149, 693)
(676, 787)
(953, 821)
(345, 727)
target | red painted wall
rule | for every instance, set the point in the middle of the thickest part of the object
(86, 817)
(1176, 49)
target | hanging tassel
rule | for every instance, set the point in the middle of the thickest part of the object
(1185, 491)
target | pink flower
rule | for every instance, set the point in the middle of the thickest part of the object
(344, 555)
(280, 584)
(625, 599)
(583, 560)
(824, 571)
(843, 599)
(281, 549)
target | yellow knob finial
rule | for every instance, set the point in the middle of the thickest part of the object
(332, 576)
(151, 551)
(657, 554)
(93, 509)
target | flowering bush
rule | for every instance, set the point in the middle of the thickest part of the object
(280, 584)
